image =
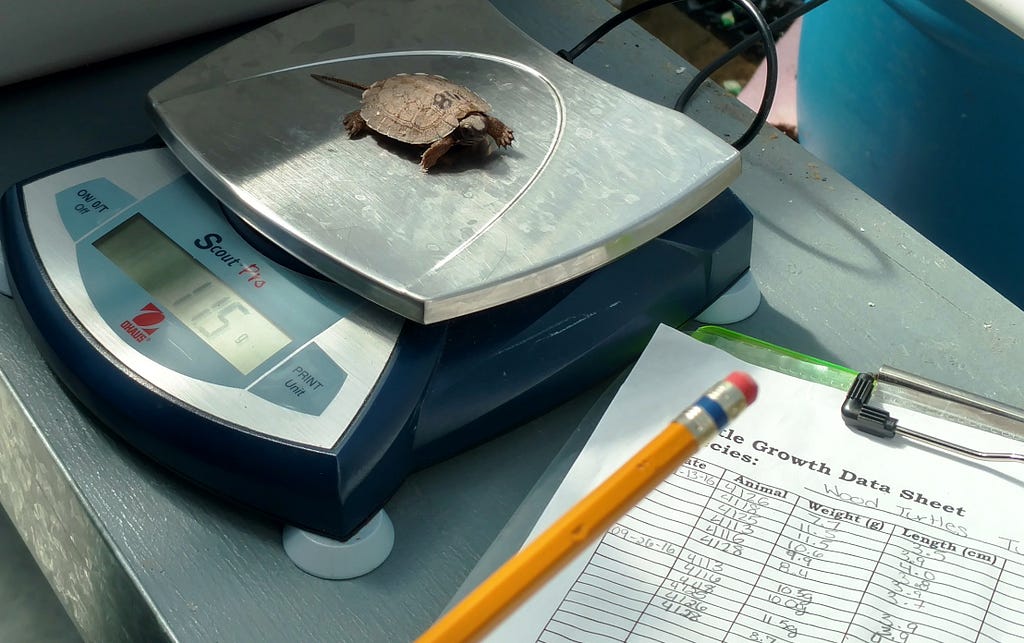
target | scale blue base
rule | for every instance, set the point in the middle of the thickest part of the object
(446, 388)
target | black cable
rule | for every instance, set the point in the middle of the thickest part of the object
(610, 24)
(776, 25)
(765, 34)
(771, 60)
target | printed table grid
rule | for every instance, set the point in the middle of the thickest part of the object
(715, 555)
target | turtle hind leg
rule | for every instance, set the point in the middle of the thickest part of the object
(354, 124)
(500, 132)
(436, 151)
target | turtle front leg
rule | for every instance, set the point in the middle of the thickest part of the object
(354, 124)
(436, 151)
(500, 132)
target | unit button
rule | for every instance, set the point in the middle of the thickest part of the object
(306, 382)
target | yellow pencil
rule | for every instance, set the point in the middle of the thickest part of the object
(525, 572)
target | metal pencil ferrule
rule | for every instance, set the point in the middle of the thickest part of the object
(702, 423)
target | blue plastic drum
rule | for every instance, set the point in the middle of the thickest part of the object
(921, 104)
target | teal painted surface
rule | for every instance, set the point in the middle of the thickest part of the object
(920, 102)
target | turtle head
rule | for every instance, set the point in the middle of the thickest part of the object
(472, 129)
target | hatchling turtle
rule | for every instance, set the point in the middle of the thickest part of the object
(423, 109)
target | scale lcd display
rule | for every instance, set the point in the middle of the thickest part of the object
(182, 285)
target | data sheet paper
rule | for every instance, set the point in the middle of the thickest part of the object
(786, 527)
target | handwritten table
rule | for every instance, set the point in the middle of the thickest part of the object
(714, 555)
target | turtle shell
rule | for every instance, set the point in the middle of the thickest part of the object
(418, 108)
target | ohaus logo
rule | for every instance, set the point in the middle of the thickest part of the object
(147, 322)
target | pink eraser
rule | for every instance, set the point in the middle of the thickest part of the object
(745, 384)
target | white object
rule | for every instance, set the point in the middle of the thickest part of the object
(40, 37)
(336, 560)
(1009, 13)
(735, 304)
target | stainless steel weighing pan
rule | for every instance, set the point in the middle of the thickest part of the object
(594, 171)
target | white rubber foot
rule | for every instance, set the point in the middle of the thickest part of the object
(735, 304)
(336, 560)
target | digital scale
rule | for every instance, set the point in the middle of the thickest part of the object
(297, 320)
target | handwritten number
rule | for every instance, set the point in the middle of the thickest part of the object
(444, 100)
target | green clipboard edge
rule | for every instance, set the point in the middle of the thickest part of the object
(761, 353)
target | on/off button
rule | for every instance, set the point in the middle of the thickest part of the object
(306, 382)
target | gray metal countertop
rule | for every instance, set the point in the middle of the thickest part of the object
(134, 553)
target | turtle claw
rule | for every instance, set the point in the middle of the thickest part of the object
(354, 124)
(500, 132)
(436, 151)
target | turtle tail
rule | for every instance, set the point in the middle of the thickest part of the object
(338, 81)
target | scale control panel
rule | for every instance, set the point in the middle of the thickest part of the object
(157, 275)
